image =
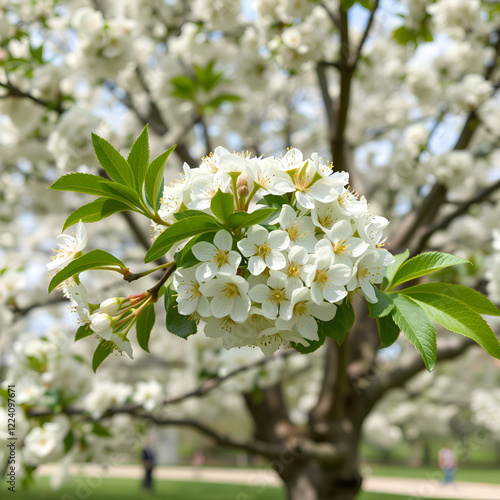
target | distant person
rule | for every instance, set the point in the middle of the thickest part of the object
(448, 465)
(148, 458)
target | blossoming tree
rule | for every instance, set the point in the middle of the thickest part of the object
(255, 249)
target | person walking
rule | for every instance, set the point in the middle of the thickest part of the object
(148, 463)
(448, 465)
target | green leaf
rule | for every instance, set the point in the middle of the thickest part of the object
(388, 331)
(144, 325)
(97, 186)
(115, 165)
(391, 269)
(222, 205)
(274, 201)
(423, 264)
(457, 317)
(384, 305)
(82, 332)
(184, 214)
(222, 98)
(95, 211)
(470, 297)
(100, 354)
(338, 327)
(417, 328)
(154, 178)
(138, 159)
(91, 260)
(182, 326)
(184, 87)
(239, 220)
(179, 231)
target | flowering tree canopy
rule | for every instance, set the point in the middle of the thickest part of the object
(333, 104)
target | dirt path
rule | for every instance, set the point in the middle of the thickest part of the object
(415, 489)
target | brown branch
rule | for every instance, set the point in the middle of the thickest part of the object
(369, 24)
(462, 209)
(398, 377)
(331, 15)
(16, 92)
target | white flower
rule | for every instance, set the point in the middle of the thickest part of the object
(44, 443)
(230, 296)
(189, 296)
(300, 229)
(78, 296)
(274, 296)
(121, 344)
(148, 394)
(292, 160)
(367, 270)
(102, 324)
(342, 244)
(69, 247)
(273, 338)
(264, 172)
(294, 270)
(217, 257)
(205, 187)
(327, 280)
(104, 395)
(303, 314)
(264, 249)
(110, 306)
(237, 334)
(211, 162)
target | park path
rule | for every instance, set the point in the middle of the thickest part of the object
(415, 489)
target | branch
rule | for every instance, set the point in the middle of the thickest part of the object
(398, 377)
(462, 209)
(331, 15)
(16, 92)
(369, 24)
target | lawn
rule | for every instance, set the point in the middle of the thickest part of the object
(128, 489)
(491, 476)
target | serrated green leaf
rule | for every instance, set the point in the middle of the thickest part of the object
(144, 325)
(154, 177)
(95, 211)
(115, 165)
(424, 264)
(240, 220)
(138, 159)
(416, 327)
(90, 260)
(338, 327)
(384, 305)
(391, 269)
(470, 297)
(457, 317)
(222, 205)
(97, 186)
(182, 326)
(388, 331)
(100, 354)
(179, 231)
(82, 332)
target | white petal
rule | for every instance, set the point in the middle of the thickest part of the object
(334, 294)
(203, 307)
(259, 293)
(304, 200)
(223, 240)
(270, 310)
(241, 306)
(258, 234)
(204, 251)
(307, 327)
(205, 271)
(247, 247)
(212, 287)
(256, 265)
(187, 305)
(275, 260)
(369, 291)
(81, 236)
(316, 293)
(287, 216)
(279, 240)
(323, 311)
(220, 305)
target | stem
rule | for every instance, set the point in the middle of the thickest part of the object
(135, 276)
(155, 289)
(251, 195)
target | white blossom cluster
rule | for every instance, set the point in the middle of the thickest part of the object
(271, 283)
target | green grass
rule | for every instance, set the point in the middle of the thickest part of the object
(129, 489)
(491, 476)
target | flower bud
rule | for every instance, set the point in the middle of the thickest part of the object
(102, 324)
(242, 185)
(111, 306)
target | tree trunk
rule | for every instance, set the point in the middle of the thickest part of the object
(313, 481)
